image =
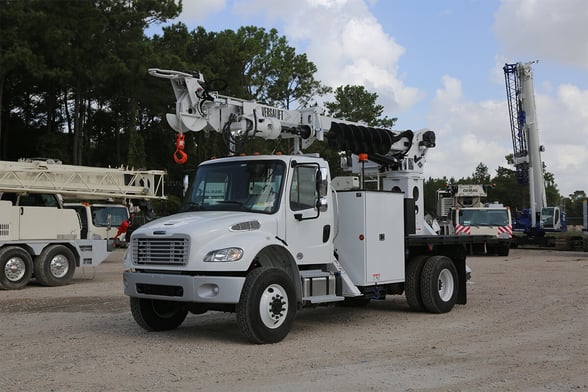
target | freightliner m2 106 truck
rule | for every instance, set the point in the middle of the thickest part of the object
(265, 236)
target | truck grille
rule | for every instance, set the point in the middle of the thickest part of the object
(162, 251)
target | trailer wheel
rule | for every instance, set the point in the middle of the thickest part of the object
(155, 315)
(16, 268)
(55, 266)
(267, 307)
(412, 284)
(439, 284)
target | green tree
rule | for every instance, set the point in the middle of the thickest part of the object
(574, 204)
(355, 103)
(430, 188)
(86, 54)
(481, 175)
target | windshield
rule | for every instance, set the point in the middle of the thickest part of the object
(101, 215)
(483, 217)
(549, 217)
(252, 186)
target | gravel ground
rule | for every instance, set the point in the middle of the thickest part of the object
(525, 328)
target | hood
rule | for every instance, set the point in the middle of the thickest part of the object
(208, 221)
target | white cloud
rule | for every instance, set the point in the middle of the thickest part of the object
(346, 42)
(468, 133)
(196, 11)
(473, 132)
(563, 130)
(551, 30)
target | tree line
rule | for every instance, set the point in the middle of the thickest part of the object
(74, 84)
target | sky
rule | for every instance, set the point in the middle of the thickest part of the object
(438, 65)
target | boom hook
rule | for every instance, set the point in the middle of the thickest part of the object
(179, 155)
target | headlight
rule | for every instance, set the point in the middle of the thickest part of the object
(226, 254)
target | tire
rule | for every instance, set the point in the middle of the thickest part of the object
(16, 268)
(156, 315)
(55, 266)
(412, 283)
(439, 284)
(267, 306)
(503, 250)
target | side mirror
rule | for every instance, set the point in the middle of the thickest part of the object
(322, 183)
(322, 186)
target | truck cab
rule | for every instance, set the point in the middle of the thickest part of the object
(494, 221)
(238, 209)
(99, 221)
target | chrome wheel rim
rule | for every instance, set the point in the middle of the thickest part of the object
(15, 269)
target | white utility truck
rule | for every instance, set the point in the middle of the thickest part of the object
(41, 239)
(462, 211)
(264, 236)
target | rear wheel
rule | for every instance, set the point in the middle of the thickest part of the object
(412, 285)
(55, 266)
(267, 306)
(439, 284)
(155, 315)
(16, 268)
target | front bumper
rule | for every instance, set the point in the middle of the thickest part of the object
(171, 287)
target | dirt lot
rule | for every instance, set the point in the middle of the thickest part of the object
(525, 328)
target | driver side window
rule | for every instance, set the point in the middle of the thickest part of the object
(303, 188)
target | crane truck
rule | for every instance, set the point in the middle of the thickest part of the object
(266, 235)
(539, 218)
(41, 239)
(461, 211)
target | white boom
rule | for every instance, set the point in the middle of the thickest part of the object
(48, 176)
(399, 154)
(527, 151)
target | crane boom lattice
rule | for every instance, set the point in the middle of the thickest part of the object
(47, 176)
(517, 121)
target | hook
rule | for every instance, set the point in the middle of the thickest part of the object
(179, 155)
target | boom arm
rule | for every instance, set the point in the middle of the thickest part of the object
(84, 182)
(198, 109)
(525, 135)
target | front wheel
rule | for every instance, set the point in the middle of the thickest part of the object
(155, 315)
(267, 307)
(439, 284)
